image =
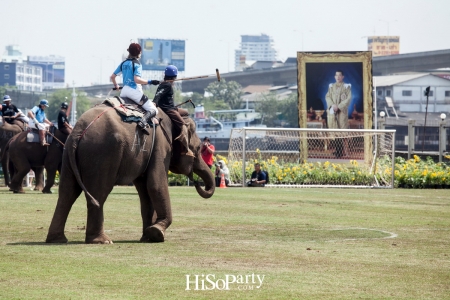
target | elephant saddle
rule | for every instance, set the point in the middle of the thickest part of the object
(127, 109)
(33, 135)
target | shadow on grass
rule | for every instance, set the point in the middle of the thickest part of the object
(71, 243)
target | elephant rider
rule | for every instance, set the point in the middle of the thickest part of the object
(10, 112)
(63, 122)
(164, 100)
(131, 70)
(39, 120)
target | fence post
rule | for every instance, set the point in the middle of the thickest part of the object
(442, 140)
(382, 123)
(243, 156)
(411, 137)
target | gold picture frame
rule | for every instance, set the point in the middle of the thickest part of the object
(360, 63)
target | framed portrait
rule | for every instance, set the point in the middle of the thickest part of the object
(335, 90)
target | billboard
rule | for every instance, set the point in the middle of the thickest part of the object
(157, 54)
(383, 45)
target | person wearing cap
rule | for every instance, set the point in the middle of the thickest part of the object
(164, 100)
(131, 70)
(207, 150)
(10, 112)
(63, 123)
(40, 121)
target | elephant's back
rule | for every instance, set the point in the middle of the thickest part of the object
(100, 123)
(104, 142)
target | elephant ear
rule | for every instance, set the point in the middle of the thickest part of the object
(182, 164)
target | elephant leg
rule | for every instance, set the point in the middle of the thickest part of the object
(51, 173)
(159, 196)
(39, 177)
(19, 174)
(69, 190)
(147, 212)
(5, 167)
(95, 233)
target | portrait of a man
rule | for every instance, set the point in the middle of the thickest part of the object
(338, 100)
(337, 90)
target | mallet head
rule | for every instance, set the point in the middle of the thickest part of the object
(218, 74)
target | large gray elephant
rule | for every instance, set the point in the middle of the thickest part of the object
(7, 131)
(25, 156)
(102, 151)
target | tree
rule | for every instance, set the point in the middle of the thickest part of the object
(268, 107)
(278, 113)
(228, 92)
(59, 96)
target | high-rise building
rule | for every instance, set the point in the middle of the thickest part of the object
(13, 54)
(254, 48)
(21, 75)
(53, 70)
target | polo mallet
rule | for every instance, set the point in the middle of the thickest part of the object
(48, 132)
(199, 77)
(190, 100)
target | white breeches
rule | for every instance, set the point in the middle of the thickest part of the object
(41, 126)
(136, 95)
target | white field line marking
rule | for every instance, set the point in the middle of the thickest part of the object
(392, 235)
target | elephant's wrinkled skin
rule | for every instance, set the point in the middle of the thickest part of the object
(24, 156)
(111, 152)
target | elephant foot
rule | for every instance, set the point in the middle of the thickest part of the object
(47, 191)
(38, 188)
(18, 192)
(58, 238)
(101, 239)
(154, 234)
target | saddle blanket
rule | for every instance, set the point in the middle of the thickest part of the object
(33, 135)
(128, 110)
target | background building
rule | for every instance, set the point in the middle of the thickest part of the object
(13, 54)
(254, 48)
(24, 76)
(406, 93)
(53, 70)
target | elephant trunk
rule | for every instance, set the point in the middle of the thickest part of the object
(204, 172)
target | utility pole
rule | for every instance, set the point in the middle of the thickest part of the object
(73, 113)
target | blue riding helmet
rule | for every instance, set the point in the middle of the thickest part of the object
(43, 102)
(6, 98)
(171, 71)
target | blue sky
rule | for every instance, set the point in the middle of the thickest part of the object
(93, 35)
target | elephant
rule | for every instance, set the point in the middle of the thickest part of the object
(102, 151)
(25, 156)
(7, 131)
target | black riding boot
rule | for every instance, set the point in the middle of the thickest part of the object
(143, 123)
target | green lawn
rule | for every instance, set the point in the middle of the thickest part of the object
(307, 243)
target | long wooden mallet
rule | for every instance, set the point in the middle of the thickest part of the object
(187, 101)
(198, 77)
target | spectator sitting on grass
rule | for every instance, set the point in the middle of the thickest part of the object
(258, 177)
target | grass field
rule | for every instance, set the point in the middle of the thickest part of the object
(307, 243)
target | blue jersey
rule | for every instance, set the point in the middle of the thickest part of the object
(39, 114)
(126, 68)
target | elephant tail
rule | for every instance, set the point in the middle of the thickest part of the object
(72, 152)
